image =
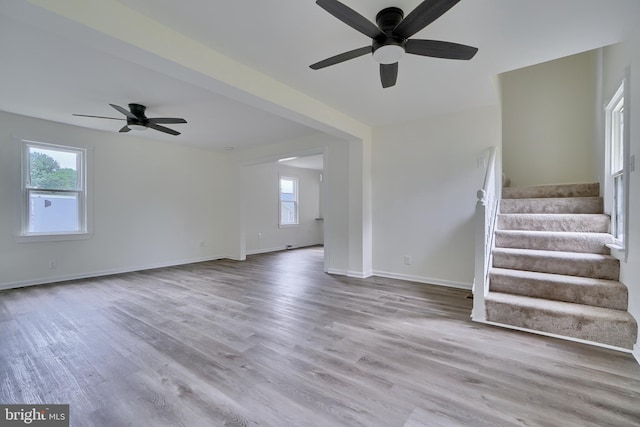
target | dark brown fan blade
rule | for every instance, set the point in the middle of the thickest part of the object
(124, 111)
(388, 74)
(439, 49)
(97, 117)
(163, 129)
(125, 128)
(341, 57)
(166, 120)
(350, 17)
(424, 14)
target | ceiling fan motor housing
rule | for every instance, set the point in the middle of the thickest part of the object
(137, 110)
(389, 18)
(140, 122)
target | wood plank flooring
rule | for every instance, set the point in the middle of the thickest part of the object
(273, 341)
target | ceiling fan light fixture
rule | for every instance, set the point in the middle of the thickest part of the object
(388, 50)
(140, 122)
(388, 54)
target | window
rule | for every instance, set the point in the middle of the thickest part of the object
(54, 200)
(288, 201)
(615, 139)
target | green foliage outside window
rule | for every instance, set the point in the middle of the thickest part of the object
(46, 173)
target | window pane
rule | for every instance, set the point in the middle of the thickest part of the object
(53, 169)
(288, 201)
(287, 197)
(287, 188)
(617, 137)
(57, 213)
(288, 213)
(617, 217)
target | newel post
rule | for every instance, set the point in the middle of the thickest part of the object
(478, 312)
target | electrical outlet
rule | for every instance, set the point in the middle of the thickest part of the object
(52, 264)
(259, 236)
(202, 244)
(407, 260)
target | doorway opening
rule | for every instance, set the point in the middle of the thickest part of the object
(284, 204)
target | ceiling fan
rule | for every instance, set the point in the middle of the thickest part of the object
(391, 37)
(136, 119)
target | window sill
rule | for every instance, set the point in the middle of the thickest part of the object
(38, 238)
(618, 251)
(616, 247)
(288, 225)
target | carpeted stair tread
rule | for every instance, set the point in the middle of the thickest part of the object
(603, 325)
(597, 266)
(579, 290)
(554, 240)
(544, 191)
(589, 223)
(563, 205)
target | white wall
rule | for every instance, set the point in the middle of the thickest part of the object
(549, 124)
(425, 179)
(615, 59)
(153, 204)
(261, 194)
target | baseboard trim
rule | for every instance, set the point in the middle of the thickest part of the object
(359, 274)
(350, 273)
(281, 248)
(87, 275)
(562, 337)
(421, 279)
(266, 250)
(636, 352)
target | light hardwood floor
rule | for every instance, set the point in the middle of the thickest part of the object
(273, 341)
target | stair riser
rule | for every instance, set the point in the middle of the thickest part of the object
(587, 205)
(588, 243)
(608, 269)
(595, 224)
(606, 296)
(615, 333)
(563, 190)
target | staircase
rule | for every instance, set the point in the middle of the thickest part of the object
(552, 271)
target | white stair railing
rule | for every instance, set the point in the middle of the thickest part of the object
(485, 220)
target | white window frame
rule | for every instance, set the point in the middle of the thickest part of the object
(617, 166)
(296, 202)
(83, 159)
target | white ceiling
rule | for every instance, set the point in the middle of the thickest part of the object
(51, 69)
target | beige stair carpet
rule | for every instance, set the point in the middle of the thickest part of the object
(555, 222)
(552, 271)
(558, 287)
(555, 241)
(602, 325)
